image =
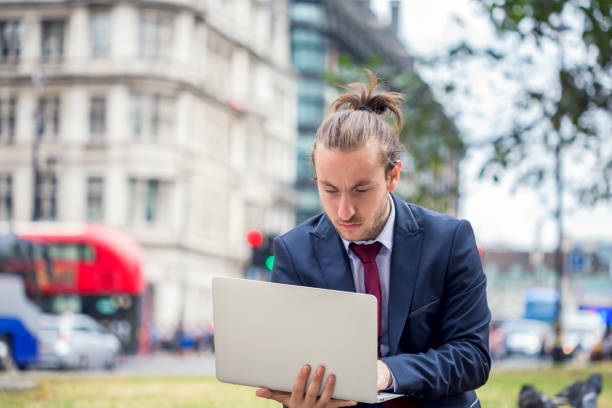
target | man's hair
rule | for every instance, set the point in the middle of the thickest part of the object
(363, 121)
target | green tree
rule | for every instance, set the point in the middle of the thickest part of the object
(566, 119)
(432, 141)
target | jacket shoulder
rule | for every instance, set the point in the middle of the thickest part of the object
(301, 231)
(430, 220)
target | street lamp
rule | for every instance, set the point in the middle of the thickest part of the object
(38, 81)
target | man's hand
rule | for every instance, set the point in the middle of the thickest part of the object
(383, 377)
(298, 399)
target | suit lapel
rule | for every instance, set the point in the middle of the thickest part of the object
(407, 244)
(332, 257)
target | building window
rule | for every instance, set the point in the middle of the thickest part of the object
(309, 61)
(307, 12)
(100, 34)
(308, 50)
(310, 112)
(219, 62)
(97, 118)
(95, 198)
(145, 200)
(155, 35)
(152, 116)
(133, 197)
(10, 41)
(137, 108)
(6, 197)
(49, 120)
(151, 201)
(46, 197)
(52, 39)
(7, 120)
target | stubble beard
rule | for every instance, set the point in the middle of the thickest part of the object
(377, 226)
(379, 221)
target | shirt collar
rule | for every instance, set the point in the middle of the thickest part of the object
(386, 235)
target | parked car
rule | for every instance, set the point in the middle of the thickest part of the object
(76, 341)
(582, 330)
(527, 336)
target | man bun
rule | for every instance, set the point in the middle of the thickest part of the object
(366, 100)
(363, 122)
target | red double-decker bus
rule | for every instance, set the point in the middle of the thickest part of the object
(96, 270)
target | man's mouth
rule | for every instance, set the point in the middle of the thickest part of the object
(349, 226)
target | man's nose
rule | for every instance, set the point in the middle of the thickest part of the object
(346, 209)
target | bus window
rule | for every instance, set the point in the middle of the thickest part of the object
(62, 303)
(71, 252)
(87, 253)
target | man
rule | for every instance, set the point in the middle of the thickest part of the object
(433, 313)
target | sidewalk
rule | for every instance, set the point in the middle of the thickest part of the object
(13, 381)
(163, 363)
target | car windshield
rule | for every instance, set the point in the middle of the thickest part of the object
(522, 326)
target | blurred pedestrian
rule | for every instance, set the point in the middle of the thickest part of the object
(496, 340)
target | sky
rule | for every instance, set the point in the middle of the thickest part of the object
(520, 220)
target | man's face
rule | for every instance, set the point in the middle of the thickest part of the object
(354, 190)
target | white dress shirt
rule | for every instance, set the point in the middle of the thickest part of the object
(383, 262)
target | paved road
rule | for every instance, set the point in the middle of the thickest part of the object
(204, 364)
(157, 364)
(168, 364)
(515, 363)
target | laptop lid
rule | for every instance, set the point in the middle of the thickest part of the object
(265, 332)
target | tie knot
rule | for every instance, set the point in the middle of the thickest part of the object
(366, 252)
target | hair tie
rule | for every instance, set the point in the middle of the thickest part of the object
(365, 108)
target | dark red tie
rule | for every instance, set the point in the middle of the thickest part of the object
(367, 254)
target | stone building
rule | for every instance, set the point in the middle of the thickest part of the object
(171, 120)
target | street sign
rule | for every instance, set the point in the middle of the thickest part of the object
(576, 260)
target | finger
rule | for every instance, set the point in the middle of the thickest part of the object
(327, 391)
(279, 396)
(282, 397)
(315, 384)
(297, 392)
(341, 403)
(263, 393)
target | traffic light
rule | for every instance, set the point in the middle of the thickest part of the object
(254, 238)
(262, 254)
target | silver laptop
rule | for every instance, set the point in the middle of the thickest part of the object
(265, 332)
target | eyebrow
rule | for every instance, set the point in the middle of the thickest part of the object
(361, 183)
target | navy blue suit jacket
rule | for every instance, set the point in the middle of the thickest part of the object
(438, 314)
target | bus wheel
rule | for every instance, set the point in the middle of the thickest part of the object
(6, 354)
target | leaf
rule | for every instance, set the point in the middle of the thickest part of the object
(494, 54)
(461, 50)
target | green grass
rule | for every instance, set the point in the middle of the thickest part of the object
(128, 392)
(118, 392)
(502, 389)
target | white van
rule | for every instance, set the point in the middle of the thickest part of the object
(581, 331)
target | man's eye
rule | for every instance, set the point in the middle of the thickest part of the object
(363, 190)
(331, 191)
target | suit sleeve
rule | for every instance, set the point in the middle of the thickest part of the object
(461, 362)
(283, 270)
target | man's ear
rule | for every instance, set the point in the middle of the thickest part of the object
(394, 175)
